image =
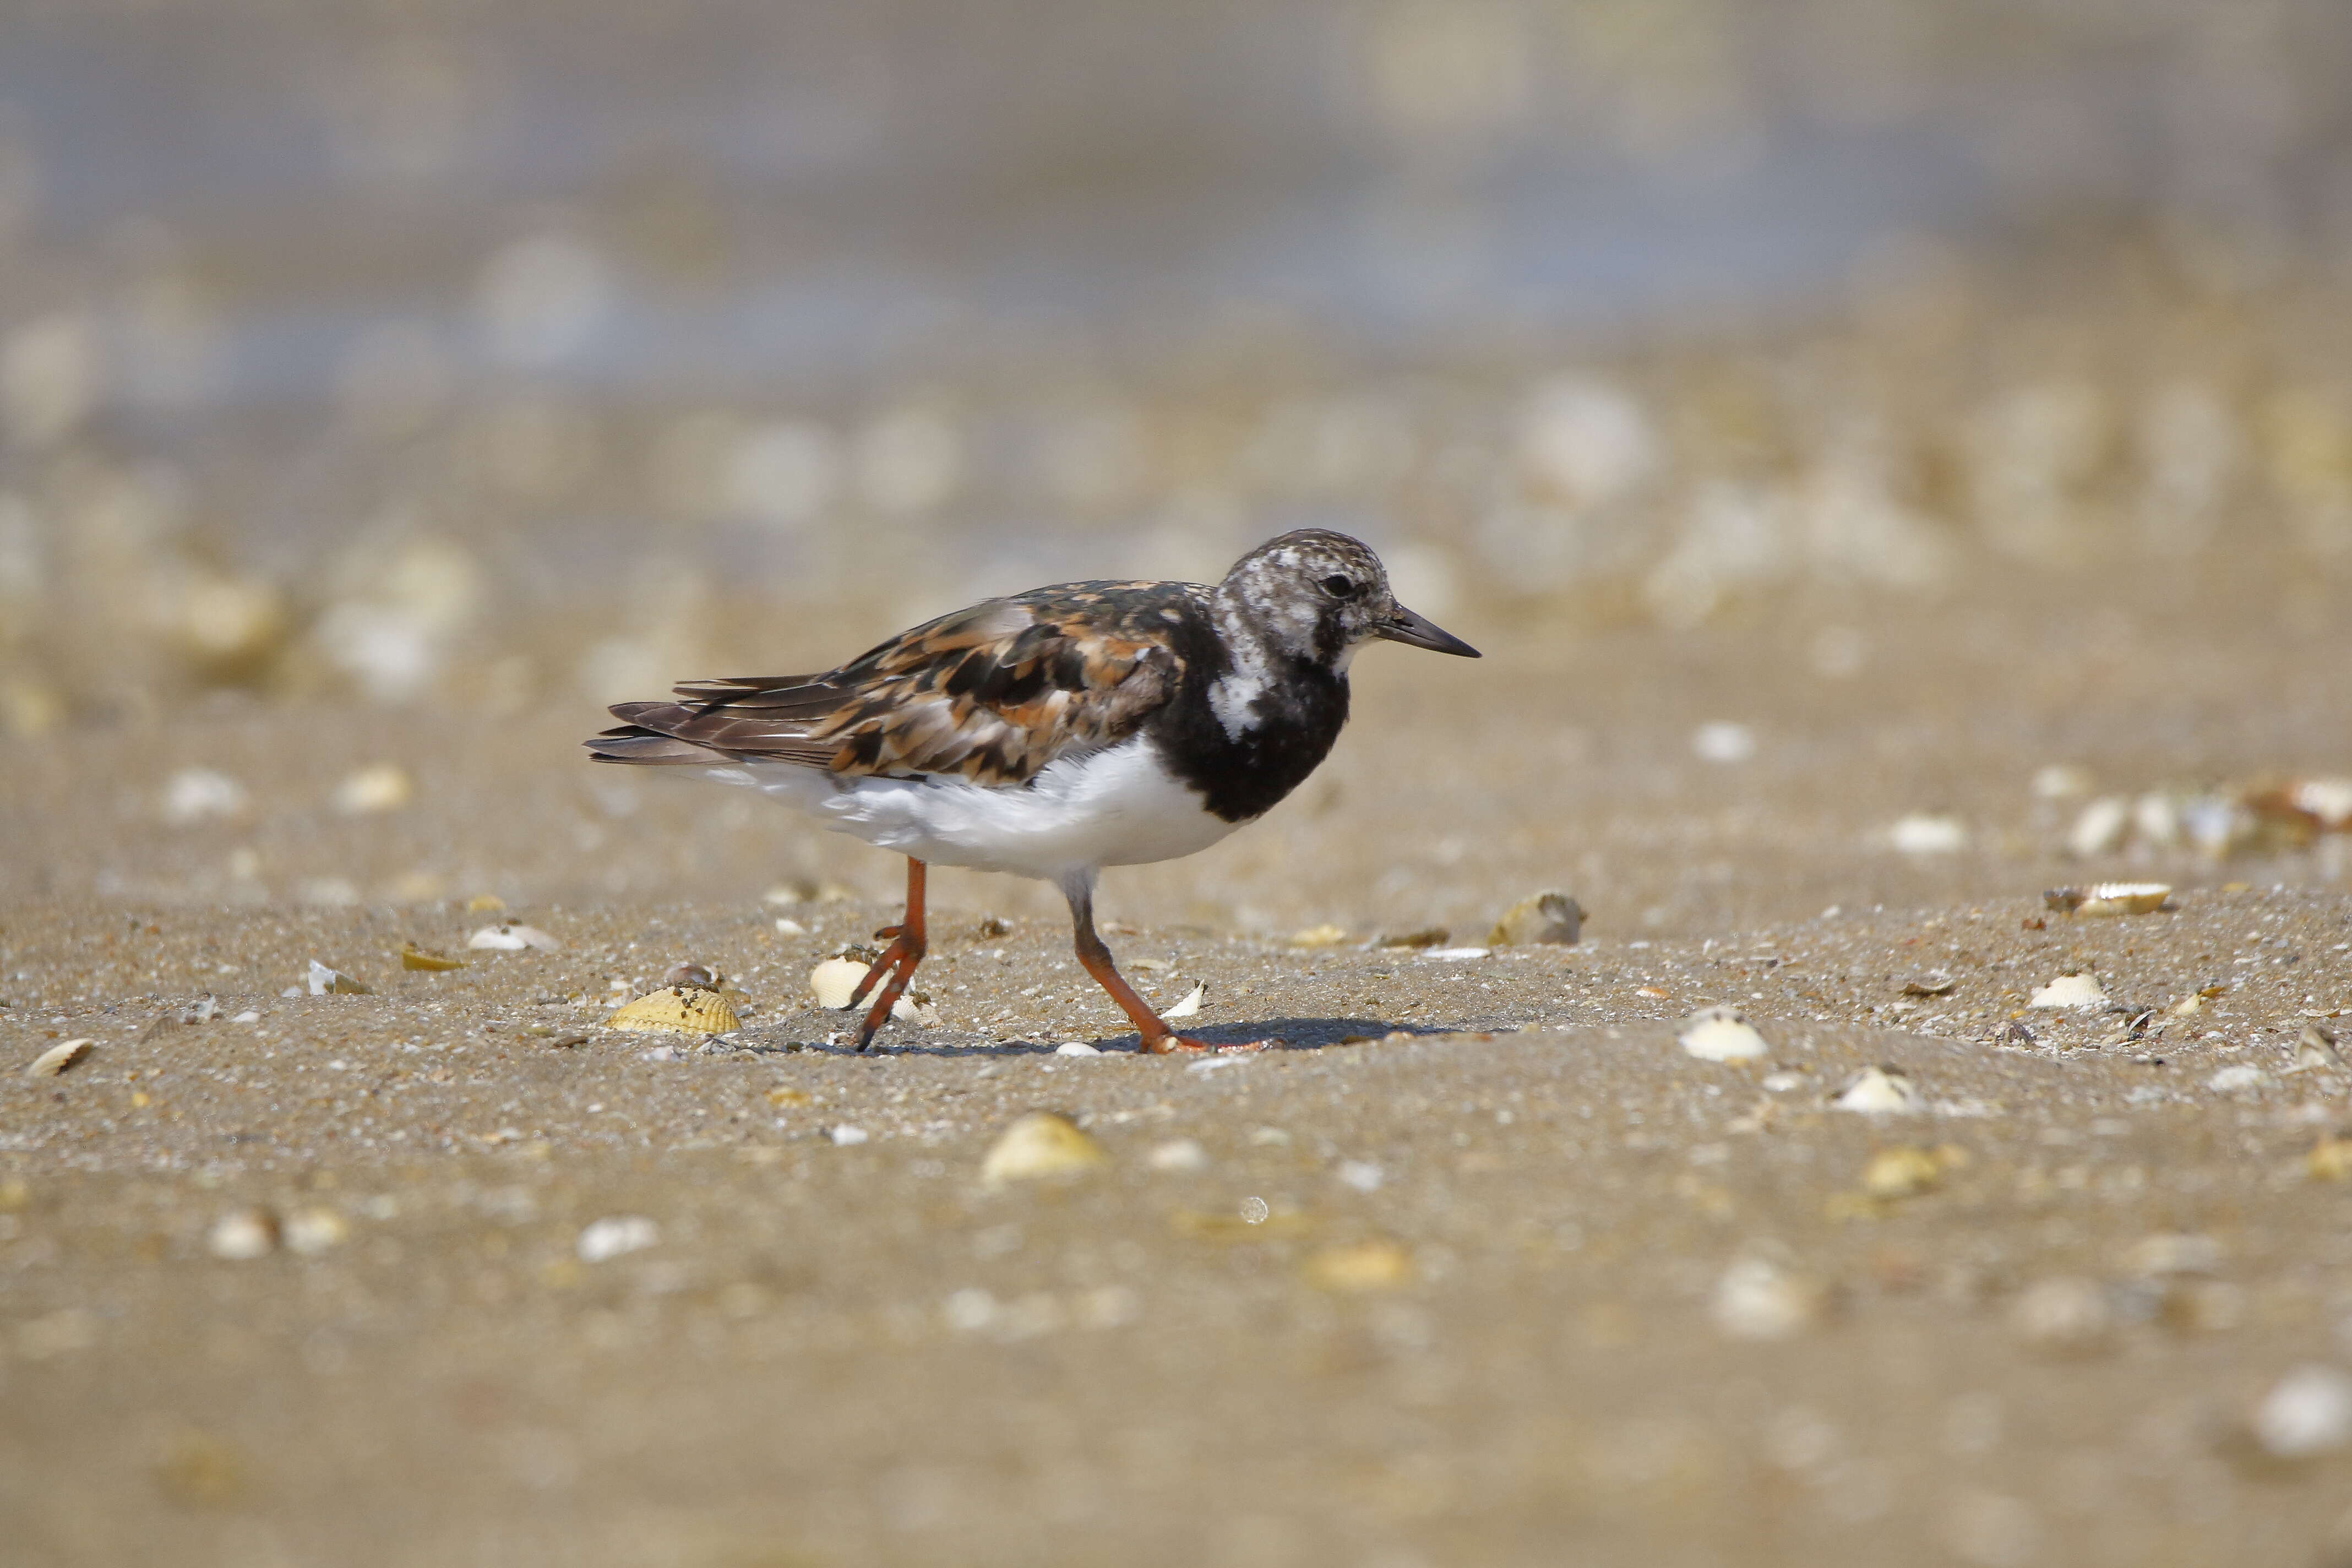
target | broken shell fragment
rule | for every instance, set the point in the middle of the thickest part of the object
(511, 936)
(1901, 1173)
(695, 976)
(1934, 983)
(1428, 936)
(414, 957)
(2315, 1051)
(1880, 1092)
(2069, 991)
(2110, 899)
(1040, 1145)
(836, 980)
(1190, 1005)
(325, 981)
(1928, 833)
(59, 1058)
(1553, 918)
(2100, 829)
(1326, 935)
(682, 1009)
(1365, 1265)
(1720, 1035)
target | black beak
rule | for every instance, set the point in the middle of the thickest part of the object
(1402, 625)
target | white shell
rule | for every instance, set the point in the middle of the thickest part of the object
(2069, 991)
(615, 1235)
(508, 936)
(1721, 1034)
(2110, 897)
(2242, 1076)
(1075, 1049)
(1880, 1092)
(59, 1058)
(833, 981)
(1927, 833)
(1758, 1300)
(385, 786)
(1190, 1005)
(1456, 955)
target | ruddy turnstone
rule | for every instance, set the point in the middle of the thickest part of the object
(1054, 733)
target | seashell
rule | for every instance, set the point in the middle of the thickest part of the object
(1190, 1004)
(1040, 1145)
(59, 1058)
(2315, 1051)
(485, 904)
(192, 794)
(511, 936)
(1721, 1034)
(423, 958)
(842, 1135)
(2069, 991)
(1075, 1049)
(2243, 1076)
(1428, 936)
(2330, 1159)
(2110, 899)
(694, 976)
(1455, 954)
(243, 1235)
(835, 980)
(1934, 983)
(1902, 1172)
(1757, 1299)
(2100, 827)
(1552, 918)
(315, 1230)
(384, 786)
(615, 1236)
(1179, 1154)
(682, 1009)
(1326, 935)
(1880, 1092)
(1928, 833)
(325, 981)
(2307, 1414)
(2061, 781)
(1364, 1266)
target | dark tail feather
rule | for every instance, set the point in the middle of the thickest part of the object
(649, 748)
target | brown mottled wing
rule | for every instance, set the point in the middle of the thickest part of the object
(992, 693)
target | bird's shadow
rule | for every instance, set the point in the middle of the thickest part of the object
(1290, 1034)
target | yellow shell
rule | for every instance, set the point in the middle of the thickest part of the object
(414, 957)
(682, 1009)
(1366, 1266)
(1040, 1145)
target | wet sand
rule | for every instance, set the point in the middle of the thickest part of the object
(1483, 1268)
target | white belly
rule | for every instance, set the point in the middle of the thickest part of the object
(1114, 807)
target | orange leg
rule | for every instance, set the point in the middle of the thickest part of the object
(907, 945)
(1158, 1037)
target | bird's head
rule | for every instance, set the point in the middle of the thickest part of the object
(1318, 596)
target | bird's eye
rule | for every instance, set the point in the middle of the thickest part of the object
(1339, 587)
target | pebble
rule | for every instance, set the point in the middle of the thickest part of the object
(1190, 1005)
(1926, 833)
(2242, 1076)
(511, 936)
(787, 926)
(1363, 1266)
(423, 958)
(1040, 1145)
(2069, 991)
(1880, 1092)
(842, 1135)
(242, 1235)
(2307, 1414)
(2110, 899)
(385, 786)
(325, 981)
(615, 1236)
(1757, 1299)
(2067, 1315)
(1178, 1154)
(315, 1230)
(1546, 918)
(682, 1009)
(835, 980)
(59, 1058)
(1721, 1034)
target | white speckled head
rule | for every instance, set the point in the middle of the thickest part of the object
(1315, 595)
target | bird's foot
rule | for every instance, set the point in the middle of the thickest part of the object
(894, 968)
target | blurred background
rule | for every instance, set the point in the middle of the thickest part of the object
(511, 359)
